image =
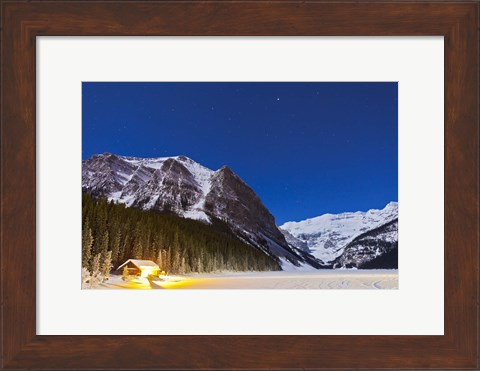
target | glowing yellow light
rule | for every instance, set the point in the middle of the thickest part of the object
(146, 271)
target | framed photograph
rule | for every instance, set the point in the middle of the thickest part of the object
(262, 185)
(171, 222)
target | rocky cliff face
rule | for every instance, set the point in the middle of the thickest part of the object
(375, 249)
(233, 201)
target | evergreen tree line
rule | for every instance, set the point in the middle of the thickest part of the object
(113, 233)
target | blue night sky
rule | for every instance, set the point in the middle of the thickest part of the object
(305, 148)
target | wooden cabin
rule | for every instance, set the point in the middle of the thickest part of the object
(142, 268)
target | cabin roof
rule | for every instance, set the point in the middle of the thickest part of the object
(139, 264)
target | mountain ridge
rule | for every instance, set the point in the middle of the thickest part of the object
(327, 235)
(376, 248)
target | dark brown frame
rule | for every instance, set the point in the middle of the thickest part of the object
(22, 21)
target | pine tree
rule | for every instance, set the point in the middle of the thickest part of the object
(176, 240)
(176, 262)
(168, 260)
(96, 275)
(116, 241)
(183, 266)
(96, 263)
(160, 260)
(158, 242)
(125, 274)
(87, 244)
(124, 252)
(164, 260)
(199, 267)
(148, 245)
(148, 251)
(137, 249)
(106, 265)
(102, 245)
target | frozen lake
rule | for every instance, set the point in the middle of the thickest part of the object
(322, 279)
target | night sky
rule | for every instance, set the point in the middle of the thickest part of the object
(305, 148)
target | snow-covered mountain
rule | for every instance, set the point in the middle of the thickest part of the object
(176, 184)
(375, 249)
(186, 188)
(327, 236)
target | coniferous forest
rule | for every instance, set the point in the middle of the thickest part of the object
(113, 233)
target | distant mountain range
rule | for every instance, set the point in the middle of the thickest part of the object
(376, 248)
(183, 187)
(327, 236)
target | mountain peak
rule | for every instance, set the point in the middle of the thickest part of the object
(184, 158)
(225, 168)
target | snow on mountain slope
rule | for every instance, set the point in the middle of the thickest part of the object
(375, 249)
(294, 241)
(177, 183)
(327, 235)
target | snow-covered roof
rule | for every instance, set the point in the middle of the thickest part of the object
(140, 264)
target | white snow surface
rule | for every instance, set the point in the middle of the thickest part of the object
(339, 279)
(290, 267)
(203, 177)
(328, 234)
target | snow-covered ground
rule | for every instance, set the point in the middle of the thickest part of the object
(323, 279)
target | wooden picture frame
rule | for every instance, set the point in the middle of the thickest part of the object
(23, 21)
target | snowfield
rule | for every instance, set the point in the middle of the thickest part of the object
(323, 279)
